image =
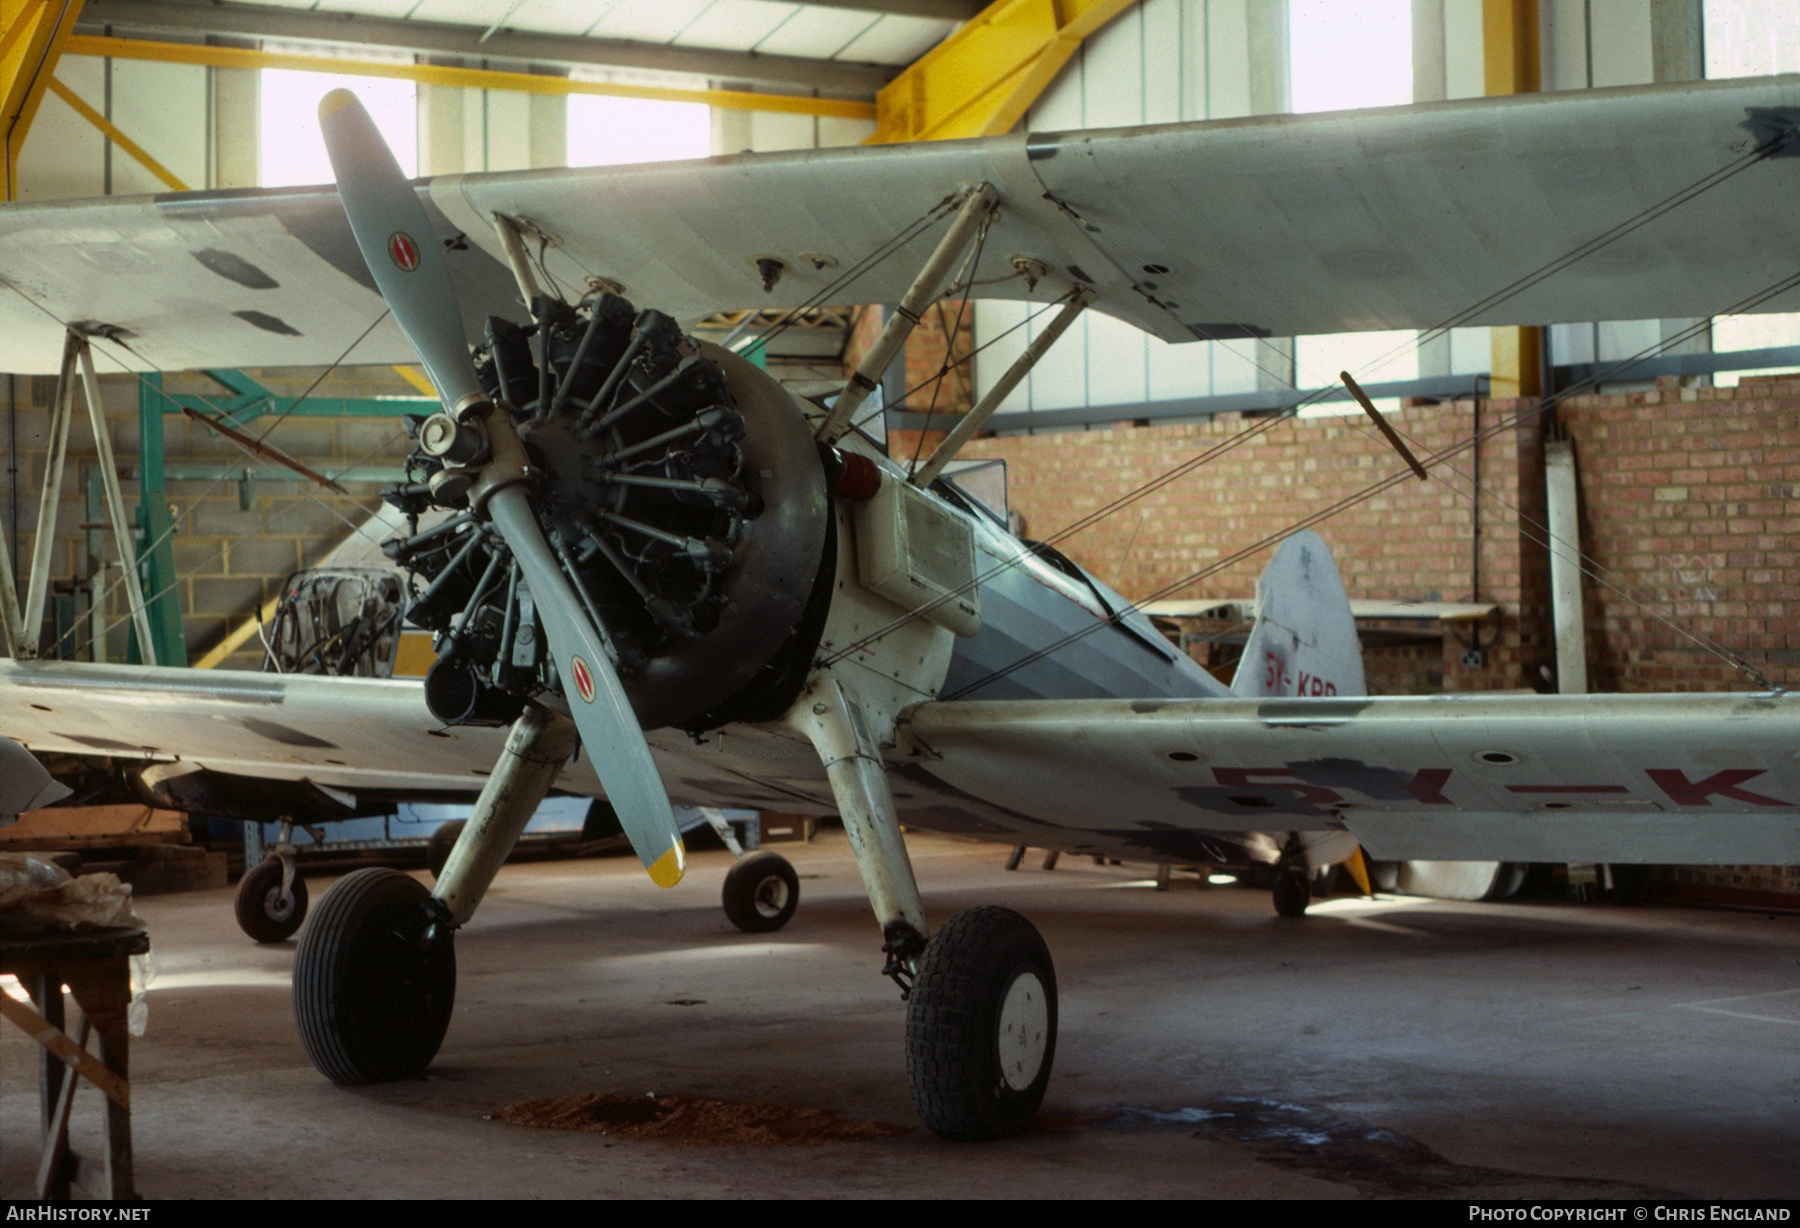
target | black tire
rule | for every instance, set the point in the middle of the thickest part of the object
(437, 849)
(261, 911)
(1291, 893)
(761, 893)
(981, 1026)
(371, 998)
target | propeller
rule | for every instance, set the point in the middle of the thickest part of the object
(403, 254)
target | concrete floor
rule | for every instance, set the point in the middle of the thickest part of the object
(1375, 1049)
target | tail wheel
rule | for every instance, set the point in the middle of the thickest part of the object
(266, 912)
(981, 1026)
(1292, 893)
(761, 893)
(374, 980)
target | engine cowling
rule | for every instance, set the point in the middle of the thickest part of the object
(681, 490)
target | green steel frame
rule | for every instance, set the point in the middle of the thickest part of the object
(248, 401)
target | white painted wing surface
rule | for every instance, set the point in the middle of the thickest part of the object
(1292, 224)
(353, 732)
(1668, 779)
(350, 733)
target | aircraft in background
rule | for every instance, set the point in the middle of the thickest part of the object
(724, 595)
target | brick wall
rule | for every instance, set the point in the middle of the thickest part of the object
(1209, 532)
(1689, 498)
(1687, 511)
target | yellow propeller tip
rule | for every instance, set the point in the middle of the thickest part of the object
(335, 101)
(667, 870)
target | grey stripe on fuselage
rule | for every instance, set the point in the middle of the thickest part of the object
(1026, 605)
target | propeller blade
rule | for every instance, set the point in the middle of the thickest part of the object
(402, 253)
(609, 728)
(398, 244)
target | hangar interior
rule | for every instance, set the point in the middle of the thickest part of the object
(1684, 490)
(1666, 448)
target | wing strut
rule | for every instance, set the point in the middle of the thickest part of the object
(975, 210)
(972, 421)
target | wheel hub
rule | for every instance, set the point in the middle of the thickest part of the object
(1024, 1030)
(771, 896)
(278, 905)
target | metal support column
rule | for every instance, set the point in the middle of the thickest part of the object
(158, 562)
(1565, 567)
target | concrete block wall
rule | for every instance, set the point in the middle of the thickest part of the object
(229, 559)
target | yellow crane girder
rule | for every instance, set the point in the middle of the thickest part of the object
(981, 80)
(32, 36)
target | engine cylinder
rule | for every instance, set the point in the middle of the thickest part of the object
(679, 487)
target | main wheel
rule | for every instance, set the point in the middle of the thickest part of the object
(1292, 893)
(981, 1026)
(761, 893)
(264, 911)
(437, 849)
(372, 995)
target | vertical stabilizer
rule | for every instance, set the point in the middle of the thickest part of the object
(1304, 641)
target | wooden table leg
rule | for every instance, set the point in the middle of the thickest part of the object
(47, 995)
(102, 988)
(56, 1163)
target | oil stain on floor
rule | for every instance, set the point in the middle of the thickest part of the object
(686, 1119)
(1376, 1161)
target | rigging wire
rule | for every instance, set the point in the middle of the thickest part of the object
(1681, 196)
(1441, 457)
(972, 263)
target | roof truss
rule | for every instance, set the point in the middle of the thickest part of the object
(125, 17)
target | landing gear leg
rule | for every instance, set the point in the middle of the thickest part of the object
(839, 731)
(981, 1014)
(375, 976)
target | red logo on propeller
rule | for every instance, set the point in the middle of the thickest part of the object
(403, 251)
(584, 681)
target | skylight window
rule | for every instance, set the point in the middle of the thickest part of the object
(291, 149)
(608, 131)
(1342, 56)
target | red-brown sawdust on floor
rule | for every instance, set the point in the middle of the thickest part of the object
(683, 1119)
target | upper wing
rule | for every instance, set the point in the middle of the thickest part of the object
(1668, 779)
(1281, 225)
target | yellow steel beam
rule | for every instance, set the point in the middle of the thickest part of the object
(17, 24)
(461, 78)
(116, 137)
(1509, 46)
(36, 32)
(1510, 64)
(231, 643)
(412, 376)
(981, 80)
